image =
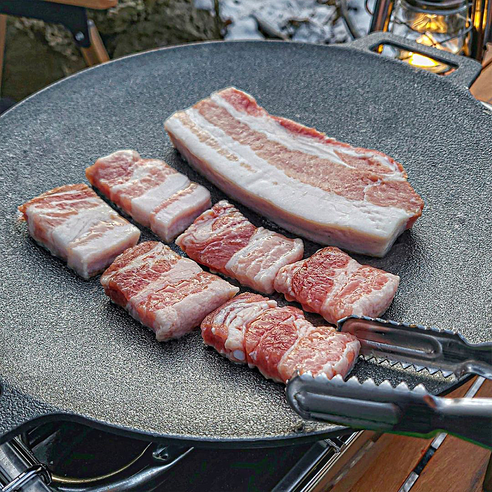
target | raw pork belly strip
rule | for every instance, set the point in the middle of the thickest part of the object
(333, 284)
(150, 191)
(164, 291)
(225, 241)
(312, 185)
(278, 341)
(73, 223)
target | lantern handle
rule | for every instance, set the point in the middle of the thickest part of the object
(466, 70)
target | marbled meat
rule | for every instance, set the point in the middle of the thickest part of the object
(279, 341)
(150, 191)
(308, 183)
(73, 223)
(164, 291)
(333, 284)
(226, 242)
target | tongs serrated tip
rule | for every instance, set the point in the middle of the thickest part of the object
(422, 347)
(399, 409)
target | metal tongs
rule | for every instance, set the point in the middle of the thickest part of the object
(401, 410)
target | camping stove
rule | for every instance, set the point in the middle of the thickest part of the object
(72, 457)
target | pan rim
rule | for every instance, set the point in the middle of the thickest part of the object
(342, 46)
(240, 441)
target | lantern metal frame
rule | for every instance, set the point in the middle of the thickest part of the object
(476, 33)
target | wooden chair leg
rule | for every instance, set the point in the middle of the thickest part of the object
(96, 53)
(3, 33)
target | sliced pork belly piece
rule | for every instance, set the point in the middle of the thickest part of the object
(224, 328)
(320, 350)
(225, 241)
(278, 341)
(257, 264)
(333, 284)
(175, 214)
(308, 183)
(150, 191)
(73, 223)
(270, 336)
(216, 235)
(165, 292)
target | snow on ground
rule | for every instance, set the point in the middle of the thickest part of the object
(312, 21)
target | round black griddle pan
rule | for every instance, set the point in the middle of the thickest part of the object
(67, 353)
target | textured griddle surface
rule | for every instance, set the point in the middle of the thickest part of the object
(66, 346)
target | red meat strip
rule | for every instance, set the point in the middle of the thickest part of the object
(224, 329)
(270, 336)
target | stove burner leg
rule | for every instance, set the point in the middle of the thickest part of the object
(20, 469)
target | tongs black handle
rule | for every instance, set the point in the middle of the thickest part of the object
(384, 408)
(468, 418)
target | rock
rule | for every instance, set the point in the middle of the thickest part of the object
(37, 54)
(139, 25)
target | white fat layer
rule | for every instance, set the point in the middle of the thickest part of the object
(257, 256)
(144, 205)
(302, 201)
(340, 278)
(180, 318)
(158, 252)
(89, 257)
(378, 301)
(175, 218)
(238, 355)
(277, 133)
